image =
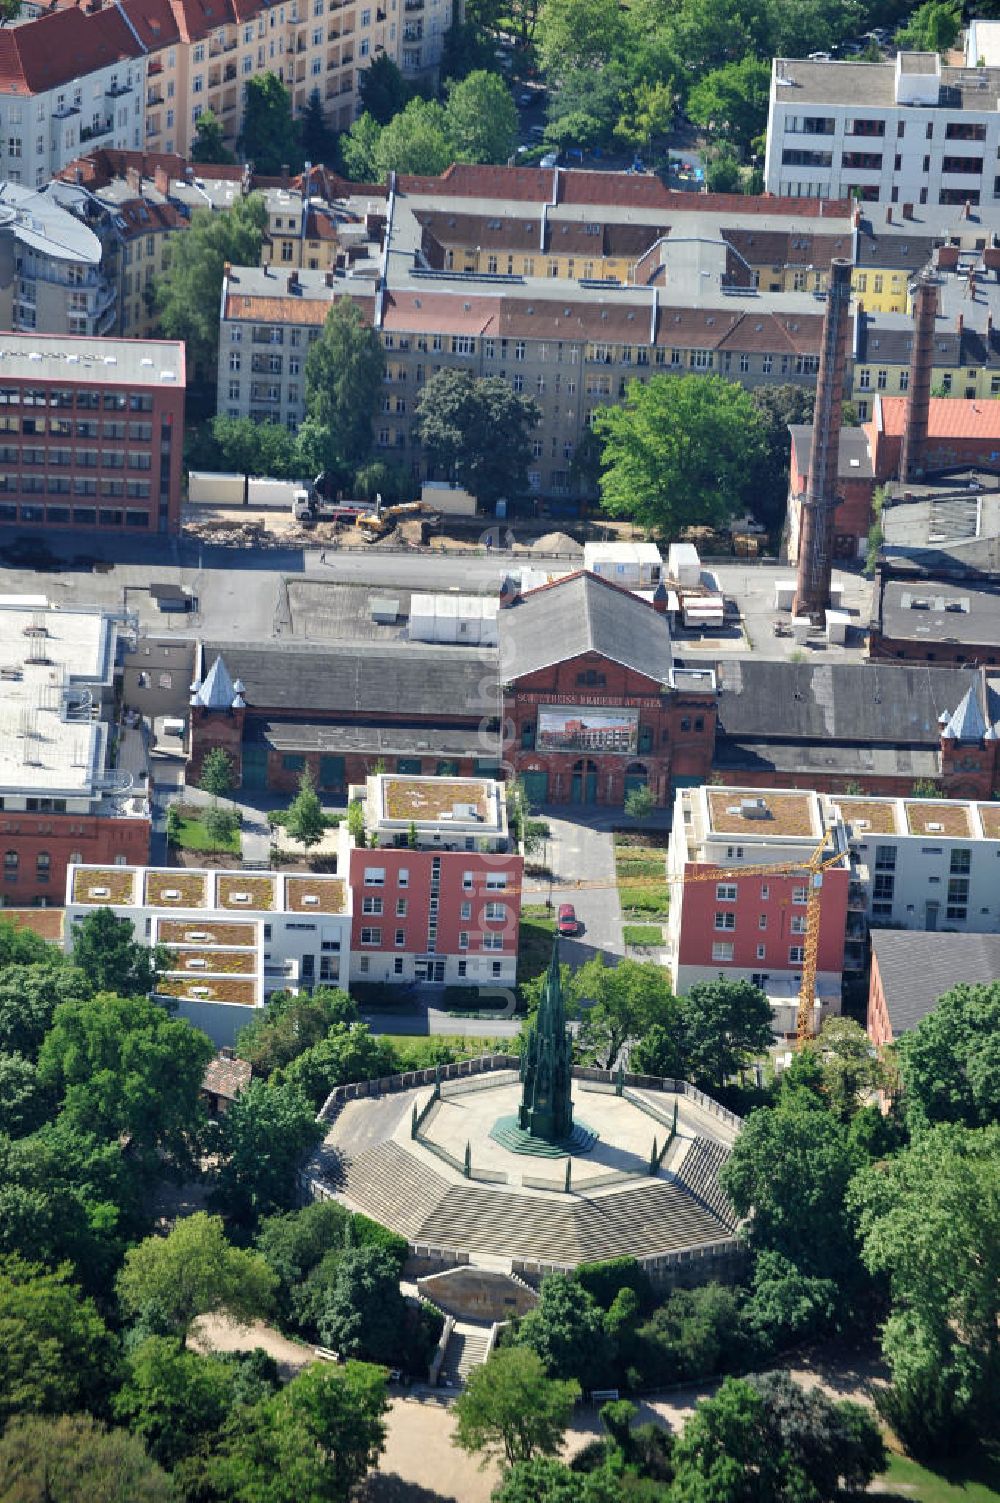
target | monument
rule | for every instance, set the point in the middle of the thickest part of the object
(544, 1123)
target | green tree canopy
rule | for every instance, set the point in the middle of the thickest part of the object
(167, 1282)
(29, 996)
(578, 34)
(364, 1314)
(566, 1330)
(294, 1242)
(317, 142)
(778, 407)
(56, 1353)
(416, 140)
(481, 118)
(792, 1165)
(724, 1024)
(512, 1409)
(217, 773)
(73, 1459)
(787, 1305)
(732, 101)
(681, 452)
(478, 432)
(24, 1101)
(270, 137)
(209, 144)
(314, 1440)
(108, 1058)
(173, 1399)
(105, 951)
(304, 820)
(265, 1134)
(254, 448)
(350, 1051)
(358, 146)
(188, 292)
(382, 89)
(293, 1022)
(850, 1069)
(619, 1003)
(932, 27)
(949, 1065)
(344, 370)
(930, 1222)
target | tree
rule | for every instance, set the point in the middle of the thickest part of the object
(478, 432)
(722, 173)
(167, 1282)
(680, 452)
(217, 773)
(317, 139)
(344, 370)
(543, 1480)
(850, 1069)
(294, 1242)
(29, 996)
(173, 1399)
(481, 118)
(209, 140)
(619, 1003)
(511, 1408)
(566, 1331)
(724, 1023)
(74, 1459)
(56, 1354)
(724, 1452)
(929, 1221)
(188, 292)
(254, 448)
(778, 407)
(269, 138)
(949, 1065)
(265, 1133)
(315, 1439)
(694, 1334)
(660, 1051)
(112, 961)
(932, 27)
(416, 140)
(221, 826)
(787, 1305)
(465, 50)
(835, 1447)
(24, 1103)
(364, 1314)
(649, 114)
(639, 802)
(732, 101)
(108, 1059)
(293, 1022)
(578, 34)
(382, 89)
(305, 821)
(349, 1052)
(792, 1165)
(358, 146)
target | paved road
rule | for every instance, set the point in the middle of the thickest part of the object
(433, 1021)
(582, 850)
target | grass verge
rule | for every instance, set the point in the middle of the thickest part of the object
(192, 836)
(643, 936)
(908, 1480)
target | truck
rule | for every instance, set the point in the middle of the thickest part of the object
(309, 507)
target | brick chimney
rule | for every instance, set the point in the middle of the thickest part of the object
(921, 369)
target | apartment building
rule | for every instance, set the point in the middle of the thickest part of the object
(63, 798)
(573, 349)
(437, 883)
(910, 131)
(58, 265)
(68, 79)
(91, 433)
(753, 928)
(234, 937)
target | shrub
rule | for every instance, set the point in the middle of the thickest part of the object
(603, 1281)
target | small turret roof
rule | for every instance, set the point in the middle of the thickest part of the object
(216, 690)
(968, 722)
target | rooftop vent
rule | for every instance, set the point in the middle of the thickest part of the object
(99, 892)
(239, 897)
(171, 894)
(196, 935)
(195, 962)
(310, 898)
(754, 808)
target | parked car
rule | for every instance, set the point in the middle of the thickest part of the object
(567, 922)
(550, 159)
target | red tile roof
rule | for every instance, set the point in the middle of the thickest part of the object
(154, 21)
(950, 417)
(58, 48)
(144, 218)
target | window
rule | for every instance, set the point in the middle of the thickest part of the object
(961, 861)
(725, 892)
(496, 912)
(765, 892)
(400, 938)
(43, 865)
(734, 853)
(725, 921)
(401, 906)
(371, 936)
(796, 954)
(371, 905)
(375, 876)
(463, 939)
(403, 877)
(293, 762)
(761, 952)
(722, 950)
(466, 912)
(800, 895)
(496, 882)
(885, 858)
(397, 965)
(798, 924)
(762, 921)
(467, 880)
(492, 942)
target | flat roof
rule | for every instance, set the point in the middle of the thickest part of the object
(938, 817)
(875, 816)
(83, 360)
(933, 610)
(761, 812)
(425, 800)
(219, 893)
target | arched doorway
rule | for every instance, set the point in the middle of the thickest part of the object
(636, 776)
(583, 789)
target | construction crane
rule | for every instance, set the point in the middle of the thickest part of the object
(812, 870)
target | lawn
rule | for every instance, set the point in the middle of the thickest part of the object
(192, 836)
(644, 936)
(534, 945)
(649, 900)
(418, 1053)
(639, 870)
(919, 1485)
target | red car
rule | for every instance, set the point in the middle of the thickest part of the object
(567, 923)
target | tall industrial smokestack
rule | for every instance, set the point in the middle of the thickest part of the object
(918, 402)
(812, 585)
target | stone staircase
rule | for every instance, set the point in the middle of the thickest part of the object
(699, 1172)
(466, 1349)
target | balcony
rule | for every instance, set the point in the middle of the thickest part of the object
(230, 73)
(154, 96)
(155, 66)
(65, 111)
(270, 394)
(115, 90)
(413, 5)
(99, 128)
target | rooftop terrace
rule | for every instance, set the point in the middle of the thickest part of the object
(929, 817)
(762, 814)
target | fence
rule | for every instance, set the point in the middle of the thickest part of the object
(699, 1264)
(358, 1090)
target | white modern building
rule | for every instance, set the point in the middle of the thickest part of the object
(234, 936)
(910, 131)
